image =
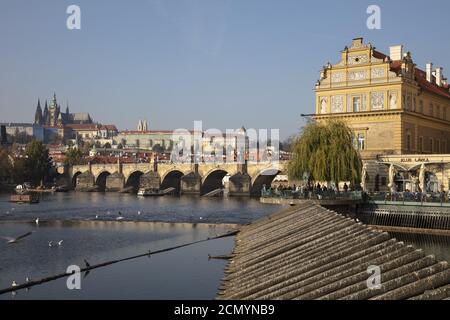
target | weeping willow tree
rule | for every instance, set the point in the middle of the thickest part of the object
(325, 152)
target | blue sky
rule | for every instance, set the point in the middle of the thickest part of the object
(227, 63)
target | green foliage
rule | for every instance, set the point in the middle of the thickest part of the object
(37, 162)
(326, 152)
(5, 165)
(18, 173)
(73, 156)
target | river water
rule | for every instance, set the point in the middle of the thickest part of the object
(87, 223)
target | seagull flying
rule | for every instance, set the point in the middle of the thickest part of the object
(60, 242)
(50, 243)
(15, 240)
(37, 220)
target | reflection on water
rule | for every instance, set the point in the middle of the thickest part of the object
(181, 274)
(86, 206)
(103, 241)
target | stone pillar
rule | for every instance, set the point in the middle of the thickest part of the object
(115, 182)
(119, 167)
(242, 167)
(150, 180)
(239, 185)
(191, 184)
(85, 181)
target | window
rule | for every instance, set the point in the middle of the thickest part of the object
(431, 145)
(383, 181)
(438, 146)
(421, 106)
(361, 142)
(444, 113)
(356, 104)
(443, 146)
(414, 104)
(408, 142)
(420, 144)
(438, 111)
(431, 110)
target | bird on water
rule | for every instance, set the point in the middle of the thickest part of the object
(11, 240)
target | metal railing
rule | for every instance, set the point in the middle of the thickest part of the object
(410, 198)
(312, 194)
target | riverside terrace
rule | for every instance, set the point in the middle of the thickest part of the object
(401, 212)
(308, 252)
(436, 199)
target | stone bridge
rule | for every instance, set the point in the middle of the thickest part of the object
(244, 179)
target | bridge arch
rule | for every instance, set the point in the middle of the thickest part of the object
(134, 179)
(172, 179)
(213, 180)
(264, 177)
(100, 180)
(74, 179)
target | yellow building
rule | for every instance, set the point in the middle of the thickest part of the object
(393, 106)
(394, 109)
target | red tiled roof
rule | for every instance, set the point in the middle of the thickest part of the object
(379, 55)
(109, 127)
(87, 126)
(431, 86)
(151, 132)
(421, 79)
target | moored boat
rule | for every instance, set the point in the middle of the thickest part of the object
(149, 193)
(25, 198)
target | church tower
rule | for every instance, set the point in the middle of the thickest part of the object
(38, 115)
(45, 116)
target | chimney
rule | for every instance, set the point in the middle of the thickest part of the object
(439, 76)
(429, 71)
(396, 52)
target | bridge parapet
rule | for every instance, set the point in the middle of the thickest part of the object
(245, 178)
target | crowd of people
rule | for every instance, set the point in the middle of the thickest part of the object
(307, 191)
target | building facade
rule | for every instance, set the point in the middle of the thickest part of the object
(392, 106)
(23, 132)
(398, 112)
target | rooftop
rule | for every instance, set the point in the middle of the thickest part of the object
(308, 252)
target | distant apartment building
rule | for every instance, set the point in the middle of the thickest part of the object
(23, 132)
(164, 140)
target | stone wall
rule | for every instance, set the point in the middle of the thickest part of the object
(85, 181)
(115, 182)
(191, 183)
(150, 180)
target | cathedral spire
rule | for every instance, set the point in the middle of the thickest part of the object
(38, 114)
(45, 117)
